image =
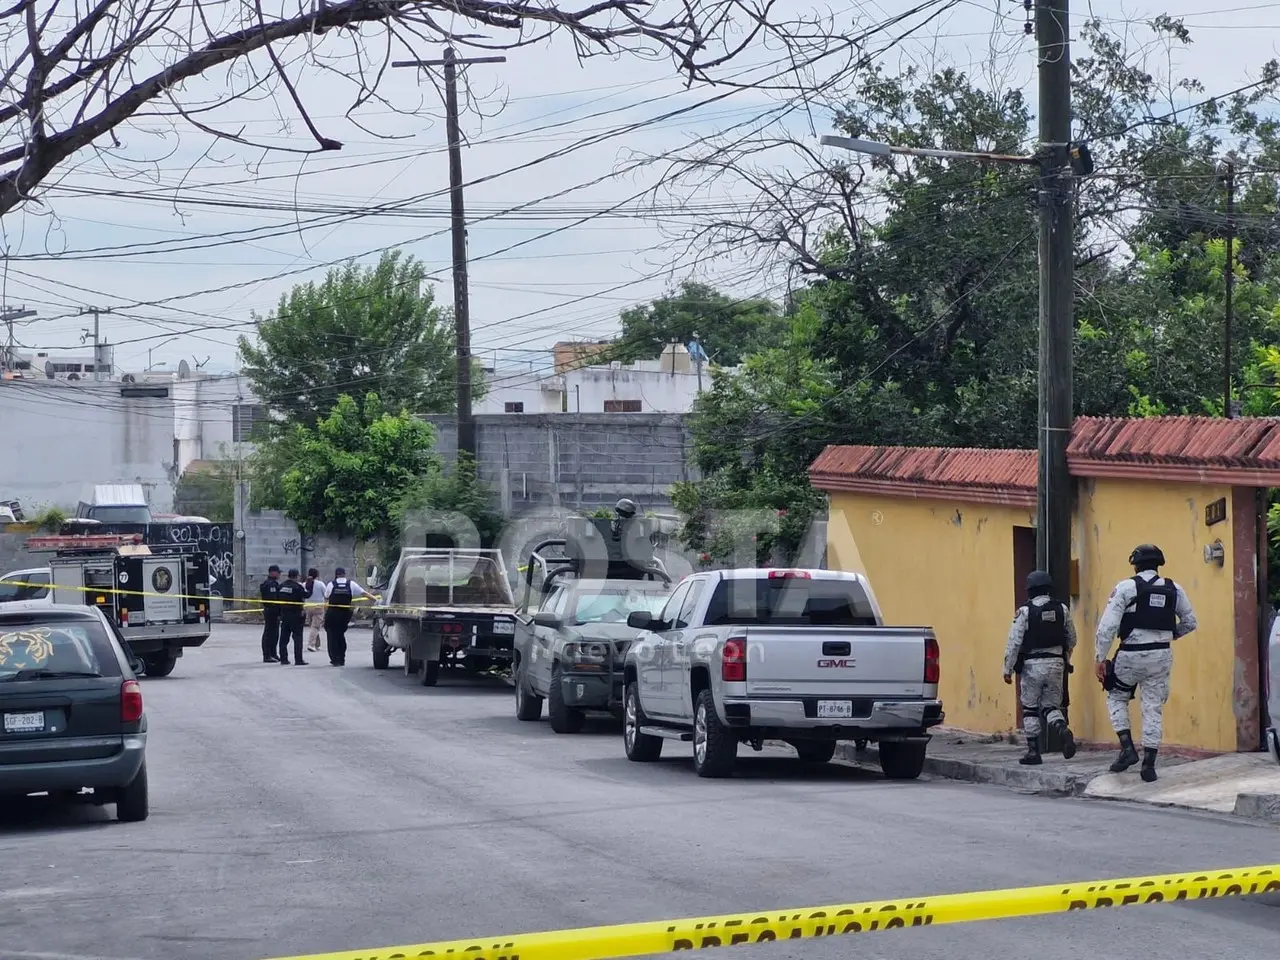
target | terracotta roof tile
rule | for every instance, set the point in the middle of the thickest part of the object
(983, 476)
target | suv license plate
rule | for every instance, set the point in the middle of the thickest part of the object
(504, 626)
(24, 722)
(835, 708)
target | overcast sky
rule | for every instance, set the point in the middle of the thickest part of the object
(200, 267)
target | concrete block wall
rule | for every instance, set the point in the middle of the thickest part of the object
(577, 459)
(269, 537)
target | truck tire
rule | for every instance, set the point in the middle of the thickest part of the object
(381, 652)
(528, 705)
(428, 672)
(131, 801)
(715, 748)
(159, 664)
(640, 747)
(815, 751)
(902, 760)
(564, 718)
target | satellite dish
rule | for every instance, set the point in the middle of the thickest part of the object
(48, 369)
(184, 370)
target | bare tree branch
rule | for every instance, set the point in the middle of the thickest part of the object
(78, 70)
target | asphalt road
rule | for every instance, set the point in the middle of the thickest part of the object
(304, 809)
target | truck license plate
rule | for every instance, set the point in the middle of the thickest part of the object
(835, 708)
(24, 722)
(504, 626)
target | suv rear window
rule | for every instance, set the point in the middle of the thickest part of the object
(57, 646)
(790, 602)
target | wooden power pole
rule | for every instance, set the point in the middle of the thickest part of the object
(1228, 320)
(1057, 269)
(461, 302)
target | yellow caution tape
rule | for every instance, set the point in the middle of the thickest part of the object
(115, 591)
(669, 936)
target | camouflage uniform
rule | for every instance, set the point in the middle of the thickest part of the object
(1144, 672)
(1043, 672)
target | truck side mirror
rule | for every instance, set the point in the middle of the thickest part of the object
(545, 618)
(640, 620)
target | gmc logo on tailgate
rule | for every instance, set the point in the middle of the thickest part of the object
(846, 664)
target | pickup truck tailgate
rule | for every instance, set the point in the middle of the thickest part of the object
(835, 661)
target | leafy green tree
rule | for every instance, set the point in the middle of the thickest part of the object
(459, 490)
(362, 329)
(207, 493)
(728, 328)
(354, 466)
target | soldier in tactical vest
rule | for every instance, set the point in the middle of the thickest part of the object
(1148, 612)
(1039, 651)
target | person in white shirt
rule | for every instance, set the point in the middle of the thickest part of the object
(313, 609)
(339, 594)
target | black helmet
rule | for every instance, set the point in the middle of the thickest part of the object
(1146, 556)
(1039, 583)
(625, 508)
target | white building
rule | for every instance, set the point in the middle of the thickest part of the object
(64, 365)
(669, 384)
(214, 417)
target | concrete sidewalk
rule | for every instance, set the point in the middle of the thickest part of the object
(1246, 784)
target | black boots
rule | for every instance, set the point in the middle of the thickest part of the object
(1032, 757)
(1149, 764)
(1066, 738)
(1128, 755)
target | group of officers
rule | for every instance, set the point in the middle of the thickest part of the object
(290, 605)
(1147, 612)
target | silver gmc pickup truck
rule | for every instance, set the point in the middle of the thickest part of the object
(803, 656)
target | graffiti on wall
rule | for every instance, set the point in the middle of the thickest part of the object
(214, 539)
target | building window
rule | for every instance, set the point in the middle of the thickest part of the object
(622, 406)
(516, 407)
(245, 418)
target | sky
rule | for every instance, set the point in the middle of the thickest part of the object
(184, 237)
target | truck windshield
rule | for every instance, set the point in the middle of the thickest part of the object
(121, 514)
(28, 649)
(614, 604)
(789, 602)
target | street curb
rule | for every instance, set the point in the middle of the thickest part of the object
(1258, 806)
(1058, 783)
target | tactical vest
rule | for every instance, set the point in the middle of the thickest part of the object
(1046, 627)
(340, 595)
(1155, 608)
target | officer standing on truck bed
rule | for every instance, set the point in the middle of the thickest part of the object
(1039, 650)
(1148, 612)
(292, 595)
(339, 596)
(269, 592)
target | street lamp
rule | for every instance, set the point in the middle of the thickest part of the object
(150, 350)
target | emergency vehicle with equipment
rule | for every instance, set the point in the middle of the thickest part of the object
(157, 596)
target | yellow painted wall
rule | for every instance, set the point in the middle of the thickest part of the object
(1114, 516)
(948, 566)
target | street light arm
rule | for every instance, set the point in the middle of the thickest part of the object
(885, 150)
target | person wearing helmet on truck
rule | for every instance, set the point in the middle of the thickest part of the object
(1148, 612)
(1039, 649)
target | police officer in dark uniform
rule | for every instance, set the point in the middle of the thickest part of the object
(339, 596)
(269, 593)
(1041, 641)
(292, 617)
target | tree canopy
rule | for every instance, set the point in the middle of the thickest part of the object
(360, 330)
(728, 328)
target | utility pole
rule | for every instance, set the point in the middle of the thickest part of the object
(1057, 269)
(8, 315)
(461, 302)
(97, 351)
(1229, 175)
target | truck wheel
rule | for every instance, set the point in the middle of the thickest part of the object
(131, 801)
(428, 672)
(160, 664)
(528, 706)
(902, 760)
(381, 652)
(640, 747)
(564, 718)
(715, 749)
(815, 751)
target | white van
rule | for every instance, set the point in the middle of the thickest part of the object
(26, 585)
